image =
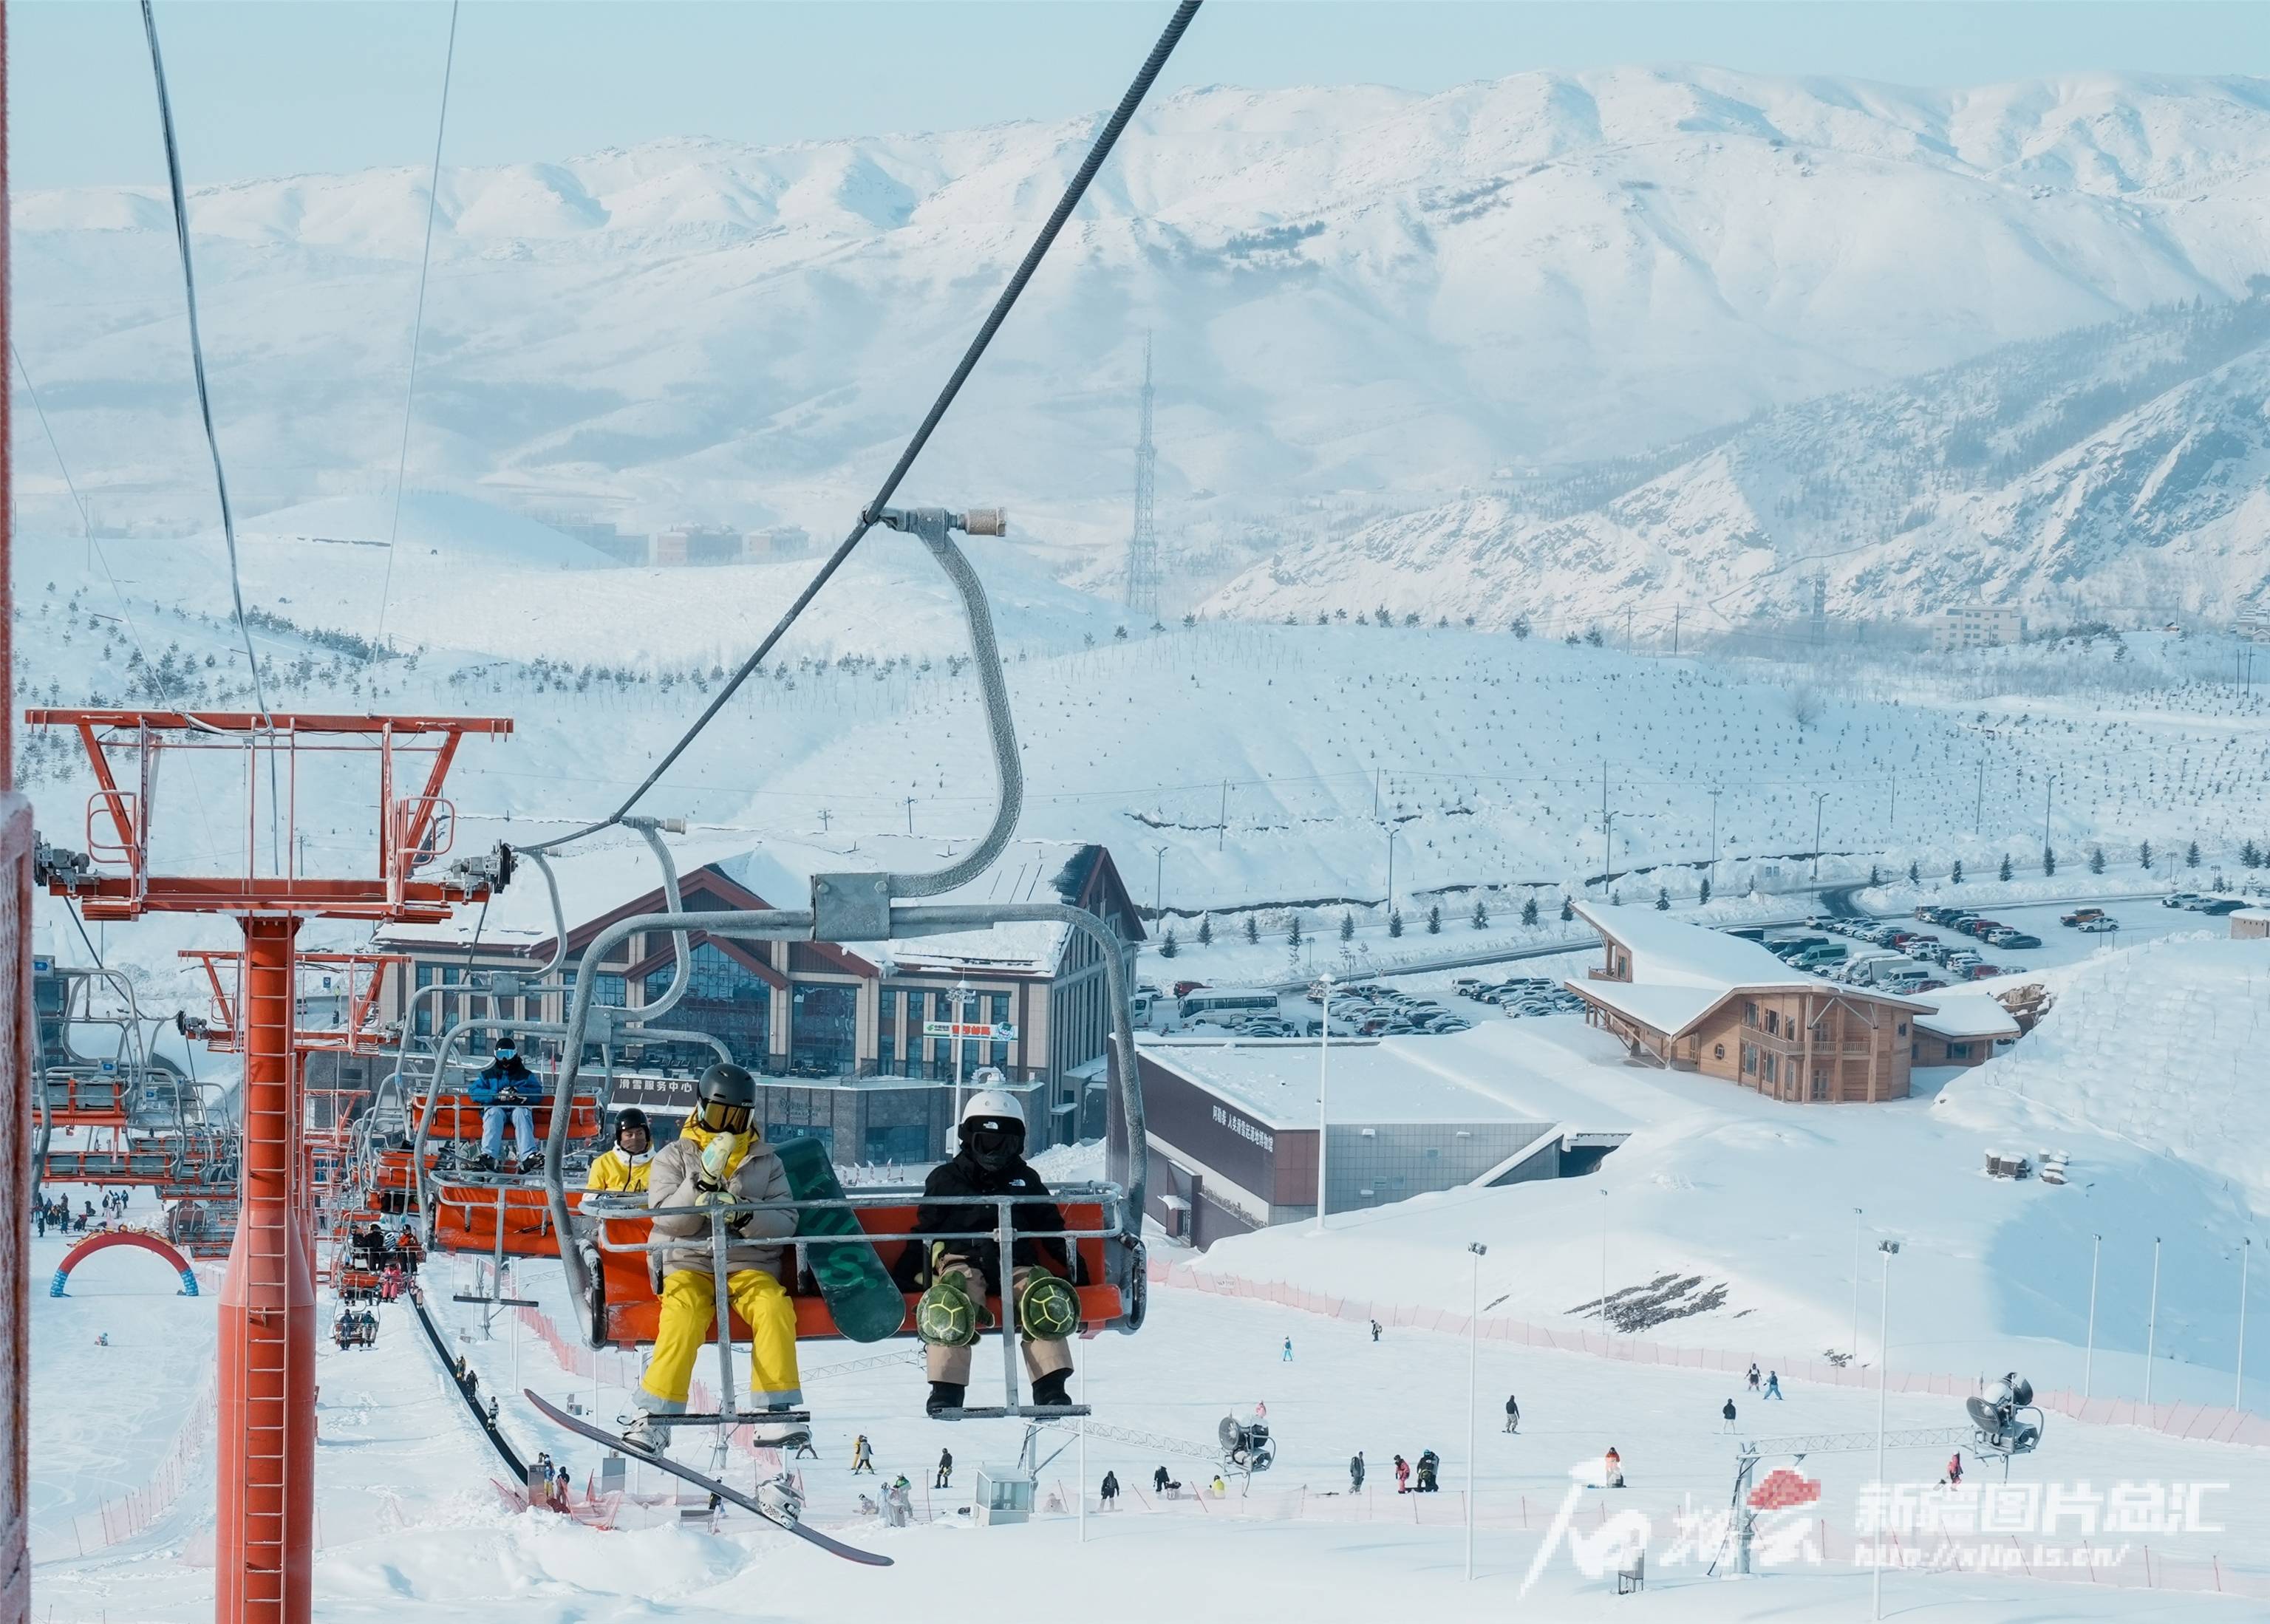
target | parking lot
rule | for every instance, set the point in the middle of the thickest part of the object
(1942, 952)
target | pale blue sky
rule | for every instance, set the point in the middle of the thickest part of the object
(287, 87)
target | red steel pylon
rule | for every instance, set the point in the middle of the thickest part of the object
(265, 1532)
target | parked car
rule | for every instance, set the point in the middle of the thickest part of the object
(1982, 972)
(2098, 927)
(2080, 916)
(2018, 939)
(2221, 904)
(2181, 899)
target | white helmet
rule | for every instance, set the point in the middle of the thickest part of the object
(996, 1104)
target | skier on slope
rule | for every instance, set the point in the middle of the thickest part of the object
(1611, 1472)
(1355, 1473)
(506, 1084)
(1430, 1466)
(1512, 1414)
(1402, 1475)
(628, 1163)
(1158, 1481)
(945, 1479)
(1773, 1384)
(719, 1161)
(863, 1459)
(1727, 1413)
(990, 1162)
(1110, 1491)
(1753, 1375)
(1287, 1358)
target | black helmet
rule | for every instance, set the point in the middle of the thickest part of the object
(505, 1045)
(728, 1096)
(631, 1117)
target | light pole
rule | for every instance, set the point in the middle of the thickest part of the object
(1819, 796)
(1158, 882)
(1473, 1388)
(2049, 799)
(2089, 1358)
(2239, 1388)
(1391, 868)
(1715, 794)
(1856, 1282)
(1889, 1251)
(2152, 1322)
(1323, 1095)
(960, 1014)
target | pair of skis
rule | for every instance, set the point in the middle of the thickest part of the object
(774, 1515)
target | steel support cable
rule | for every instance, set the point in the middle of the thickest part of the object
(1105, 140)
(204, 411)
(417, 331)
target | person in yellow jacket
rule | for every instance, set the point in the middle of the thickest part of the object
(627, 1164)
(720, 1159)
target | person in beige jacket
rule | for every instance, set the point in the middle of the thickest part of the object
(720, 1159)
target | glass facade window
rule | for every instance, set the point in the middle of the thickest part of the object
(723, 997)
(823, 1027)
(998, 1013)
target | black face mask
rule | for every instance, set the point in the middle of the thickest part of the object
(994, 1148)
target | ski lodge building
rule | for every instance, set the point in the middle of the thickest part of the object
(863, 1022)
(1233, 1125)
(1694, 999)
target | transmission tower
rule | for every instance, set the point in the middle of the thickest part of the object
(1143, 542)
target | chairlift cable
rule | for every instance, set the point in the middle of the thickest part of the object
(1105, 140)
(204, 411)
(417, 330)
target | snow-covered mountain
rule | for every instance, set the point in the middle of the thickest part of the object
(2124, 466)
(1352, 290)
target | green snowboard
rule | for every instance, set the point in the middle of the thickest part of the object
(861, 1297)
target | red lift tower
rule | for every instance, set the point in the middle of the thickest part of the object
(267, 1339)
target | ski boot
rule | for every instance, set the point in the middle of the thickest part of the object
(531, 1161)
(780, 1496)
(484, 1164)
(1049, 1392)
(649, 1429)
(944, 1399)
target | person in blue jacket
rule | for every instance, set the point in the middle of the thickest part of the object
(506, 1084)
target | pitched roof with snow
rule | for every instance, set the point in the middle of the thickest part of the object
(1962, 1015)
(1669, 952)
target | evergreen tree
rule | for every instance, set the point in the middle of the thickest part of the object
(1434, 919)
(1529, 911)
(2005, 870)
(1347, 927)
(2049, 861)
(1915, 872)
(2250, 855)
(1663, 899)
(1167, 947)
(1568, 909)
(1206, 930)
(2144, 854)
(1252, 928)
(1957, 877)
(1293, 933)
(1481, 915)
(1395, 922)
(2191, 855)
(1875, 875)
(1703, 893)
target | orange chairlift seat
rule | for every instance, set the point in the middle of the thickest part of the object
(468, 1208)
(623, 1310)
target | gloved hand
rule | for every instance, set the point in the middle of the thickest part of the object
(706, 1192)
(715, 1154)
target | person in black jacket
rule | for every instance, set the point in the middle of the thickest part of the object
(990, 1162)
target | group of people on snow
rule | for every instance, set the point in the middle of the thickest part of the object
(1773, 1383)
(1423, 1478)
(57, 1214)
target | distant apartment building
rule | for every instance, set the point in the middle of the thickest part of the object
(2254, 621)
(1976, 627)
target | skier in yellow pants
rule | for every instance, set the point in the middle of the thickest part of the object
(720, 1159)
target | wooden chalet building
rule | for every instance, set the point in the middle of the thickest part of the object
(851, 1019)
